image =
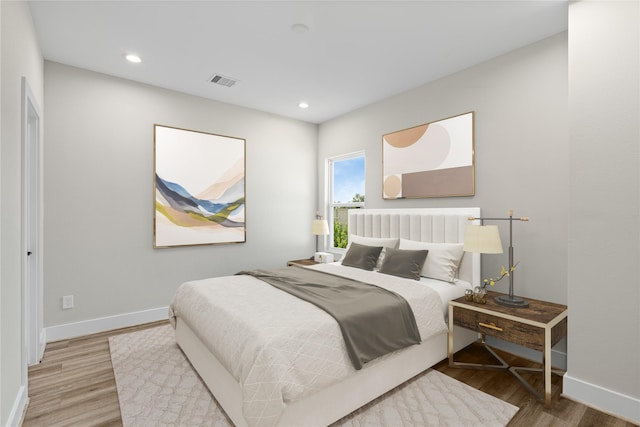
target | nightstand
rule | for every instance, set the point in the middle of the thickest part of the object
(304, 262)
(539, 327)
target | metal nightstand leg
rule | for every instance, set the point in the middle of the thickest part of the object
(546, 371)
(501, 367)
(543, 397)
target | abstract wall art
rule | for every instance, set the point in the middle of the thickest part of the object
(431, 160)
(199, 188)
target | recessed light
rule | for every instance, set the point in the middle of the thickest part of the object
(303, 104)
(133, 58)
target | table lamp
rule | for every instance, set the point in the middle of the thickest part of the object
(483, 239)
(319, 227)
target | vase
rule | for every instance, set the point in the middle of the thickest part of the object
(480, 295)
(468, 295)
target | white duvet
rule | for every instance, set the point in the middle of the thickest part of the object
(278, 347)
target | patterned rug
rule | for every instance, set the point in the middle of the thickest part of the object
(158, 387)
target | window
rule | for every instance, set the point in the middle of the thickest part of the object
(346, 191)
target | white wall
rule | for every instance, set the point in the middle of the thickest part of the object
(98, 191)
(21, 57)
(604, 209)
(521, 153)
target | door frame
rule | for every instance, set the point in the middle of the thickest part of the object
(33, 341)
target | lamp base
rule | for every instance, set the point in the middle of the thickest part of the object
(511, 301)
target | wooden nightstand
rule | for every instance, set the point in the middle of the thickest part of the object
(303, 262)
(539, 327)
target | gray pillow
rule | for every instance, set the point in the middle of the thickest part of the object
(362, 256)
(385, 242)
(404, 263)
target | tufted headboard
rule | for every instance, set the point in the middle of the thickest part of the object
(437, 225)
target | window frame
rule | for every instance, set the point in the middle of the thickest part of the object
(331, 206)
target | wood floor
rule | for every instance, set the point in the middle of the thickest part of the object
(74, 386)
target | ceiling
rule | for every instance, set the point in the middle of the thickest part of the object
(354, 53)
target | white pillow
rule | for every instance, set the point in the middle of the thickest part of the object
(375, 241)
(443, 259)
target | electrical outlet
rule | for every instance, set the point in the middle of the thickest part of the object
(67, 302)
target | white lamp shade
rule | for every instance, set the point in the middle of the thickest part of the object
(320, 227)
(484, 239)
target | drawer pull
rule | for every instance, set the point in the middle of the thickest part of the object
(490, 326)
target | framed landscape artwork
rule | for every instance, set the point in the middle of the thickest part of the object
(430, 160)
(199, 188)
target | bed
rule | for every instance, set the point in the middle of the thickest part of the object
(251, 378)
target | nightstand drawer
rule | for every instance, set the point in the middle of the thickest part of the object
(509, 330)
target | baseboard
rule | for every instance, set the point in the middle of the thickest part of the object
(602, 399)
(102, 324)
(19, 406)
(558, 358)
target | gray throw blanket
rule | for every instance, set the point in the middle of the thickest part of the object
(373, 320)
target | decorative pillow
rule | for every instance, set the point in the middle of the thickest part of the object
(443, 259)
(375, 241)
(404, 263)
(362, 256)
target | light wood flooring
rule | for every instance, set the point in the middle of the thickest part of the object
(74, 386)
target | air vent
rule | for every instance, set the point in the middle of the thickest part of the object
(222, 80)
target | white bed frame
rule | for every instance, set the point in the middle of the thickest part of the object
(329, 405)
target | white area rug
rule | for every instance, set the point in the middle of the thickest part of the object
(158, 387)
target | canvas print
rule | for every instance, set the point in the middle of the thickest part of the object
(431, 160)
(199, 188)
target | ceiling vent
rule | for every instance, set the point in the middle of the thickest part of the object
(222, 80)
